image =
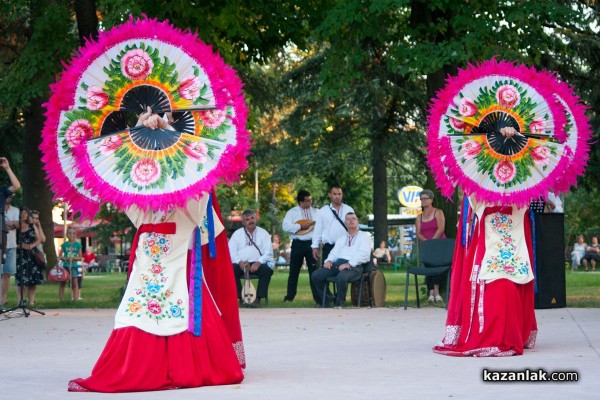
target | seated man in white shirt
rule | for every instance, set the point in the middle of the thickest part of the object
(345, 260)
(250, 248)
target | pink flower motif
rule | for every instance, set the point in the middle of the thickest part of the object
(136, 64)
(457, 124)
(540, 155)
(78, 131)
(179, 301)
(96, 98)
(189, 88)
(505, 171)
(471, 149)
(467, 107)
(509, 269)
(151, 242)
(508, 96)
(156, 269)
(538, 125)
(154, 307)
(138, 291)
(196, 151)
(213, 118)
(110, 144)
(145, 172)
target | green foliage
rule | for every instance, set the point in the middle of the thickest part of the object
(332, 85)
(581, 210)
(114, 223)
(51, 39)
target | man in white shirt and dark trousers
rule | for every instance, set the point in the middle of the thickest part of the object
(299, 222)
(250, 248)
(345, 260)
(330, 223)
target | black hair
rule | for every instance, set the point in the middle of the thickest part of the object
(301, 195)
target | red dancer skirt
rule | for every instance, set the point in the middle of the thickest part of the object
(136, 361)
(507, 322)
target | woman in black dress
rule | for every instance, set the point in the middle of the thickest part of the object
(29, 274)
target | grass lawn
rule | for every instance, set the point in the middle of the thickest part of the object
(103, 290)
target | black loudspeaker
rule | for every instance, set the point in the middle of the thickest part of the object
(550, 261)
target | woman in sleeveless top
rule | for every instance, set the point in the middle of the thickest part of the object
(430, 225)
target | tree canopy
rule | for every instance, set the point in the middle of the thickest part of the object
(338, 90)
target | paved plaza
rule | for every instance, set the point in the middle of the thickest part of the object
(337, 354)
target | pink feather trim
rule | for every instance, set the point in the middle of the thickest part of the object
(443, 165)
(227, 89)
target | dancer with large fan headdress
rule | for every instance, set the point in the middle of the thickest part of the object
(506, 134)
(149, 119)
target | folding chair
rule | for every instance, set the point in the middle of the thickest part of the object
(436, 258)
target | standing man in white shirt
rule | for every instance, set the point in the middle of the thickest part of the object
(330, 223)
(345, 260)
(250, 248)
(299, 222)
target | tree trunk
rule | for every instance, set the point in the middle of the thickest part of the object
(450, 207)
(380, 195)
(36, 193)
(87, 20)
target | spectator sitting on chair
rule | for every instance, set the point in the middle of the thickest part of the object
(381, 254)
(89, 260)
(592, 254)
(345, 260)
(250, 248)
(578, 252)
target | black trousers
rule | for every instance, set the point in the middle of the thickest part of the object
(264, 278)
(432, 280)
(301, 251)
(320, 277)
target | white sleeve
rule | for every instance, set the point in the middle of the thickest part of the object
(288, 224)
(234, 247)
(266, 247)
(317, 233)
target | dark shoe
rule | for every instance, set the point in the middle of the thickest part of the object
(286, 300)
(329, 301)
(339, 304)
(255, 304)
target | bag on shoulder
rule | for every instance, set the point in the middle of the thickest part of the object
(38, 257)
(58, 274)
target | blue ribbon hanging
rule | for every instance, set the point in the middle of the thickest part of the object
(197, 317)
(465, 216)
(212, 247)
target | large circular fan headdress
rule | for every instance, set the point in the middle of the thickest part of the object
(92, 149)
(466, 148)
